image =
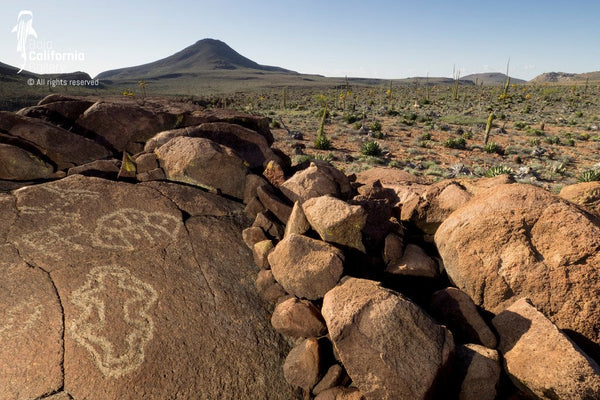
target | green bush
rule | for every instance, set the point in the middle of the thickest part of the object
(322, 142)
(426, 136)
(375, 126)
(552, 140)
(498, 170)
(589, 175)
(371, 148)
(491, 147)
(456, 143)
(350, 118)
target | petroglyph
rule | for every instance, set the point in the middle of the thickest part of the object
(115, 324)
(128, 229)
(20, 318)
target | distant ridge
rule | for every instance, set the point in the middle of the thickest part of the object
(565, 77)
(491, 79)
(204, 55)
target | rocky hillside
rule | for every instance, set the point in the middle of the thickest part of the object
(160, 248)
(564, 77)
(491, 78)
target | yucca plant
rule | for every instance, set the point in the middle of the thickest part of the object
(491, 148)
(456, 143)
(488, 128)
(497, 170)
(589, 175)
(322, 142)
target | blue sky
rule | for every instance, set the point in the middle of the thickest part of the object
(380, 39)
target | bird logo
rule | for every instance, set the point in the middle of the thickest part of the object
(24, 29)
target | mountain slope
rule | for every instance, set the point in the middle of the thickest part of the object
(564, 77)
(491, 78)
(204, 55)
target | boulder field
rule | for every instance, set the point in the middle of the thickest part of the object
(161, 250)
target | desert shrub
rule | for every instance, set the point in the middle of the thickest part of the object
(520, 125)
(589, 175)
(275, 124)
(584, 136)
(467, 135)
(426, 136)
(491, 147)
(322, 142)
(534, 141)
(552, 140)
(498, 170)
(375, 126)
(456, 143)
(371, 148)
(532, 131)
(350, 118)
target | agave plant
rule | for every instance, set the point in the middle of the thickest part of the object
(589, 175)
(498, 170)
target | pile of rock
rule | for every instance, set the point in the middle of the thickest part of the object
(381, 286)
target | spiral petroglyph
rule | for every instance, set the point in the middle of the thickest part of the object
(114, 323)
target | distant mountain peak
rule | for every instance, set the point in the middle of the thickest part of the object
(204, 55)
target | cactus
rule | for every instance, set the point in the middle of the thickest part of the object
(488, 128)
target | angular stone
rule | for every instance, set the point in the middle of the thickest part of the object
(203, 163)
(63, 148)
(108, 169)
(274, 173)
(334, 376)
(303, 366)
(390, 348)
(455, 309)
(260, 252)
(146, 162)
(542, 360)
(253, 208)
(336, 221)
(268, 222)
(481, 369)
(31, 330)
(298, 318)
(340, 393)
(586, 194)
(274, 203)
(128, 168)
(253, 235)
(17, 164)
(297, 222)
(249, 145)
(268, 288)
(305, 267)
(393, 249)
(414, 262)
(156, 174)
(519, 240)
(252, 183)
(318, 179)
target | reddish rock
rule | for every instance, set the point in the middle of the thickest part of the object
(334, 376)
(269, 224)
(303, 366)
(542, 360)
(336, 221)
(393, 249)
(519, 240)
(298, 318)
(481, 370)
(252, 183)
(253, 235)
(260, 251)
(297, 222)
(268, 288)
(318, 179)
(455, 309)
(17, 164)
(414, 262)
(203, 163)
(586, 194)
(274, 203)
(390, 348)
(146, 162)
(274, 173)
(108, 169)
(305, 267)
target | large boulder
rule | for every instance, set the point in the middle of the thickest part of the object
(204, 163)
(305, 267)
(298, 318)
(126, 127)
(63, 148)
(17, 164)
(250, 145)
(519, 240)
(542, 360)
(479, 367)
(390, 347)
(112, 295)
(586, 194)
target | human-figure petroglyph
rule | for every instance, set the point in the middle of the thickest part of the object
(114, 323)
(20, 318)
(127, 228)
